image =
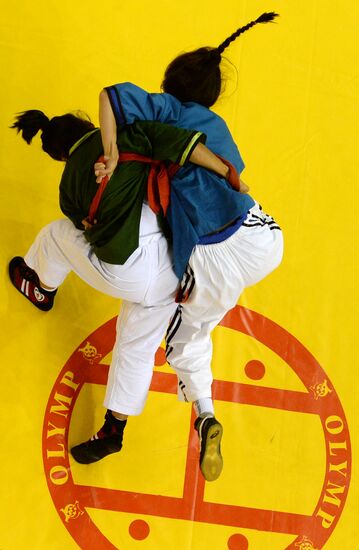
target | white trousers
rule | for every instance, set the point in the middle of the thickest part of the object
(218, 273)
(147, 285)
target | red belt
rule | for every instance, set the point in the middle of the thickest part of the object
(158, 182)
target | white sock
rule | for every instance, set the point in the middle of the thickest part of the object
(49, 289)
(204, 407)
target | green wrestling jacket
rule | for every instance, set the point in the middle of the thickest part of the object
(115, 236)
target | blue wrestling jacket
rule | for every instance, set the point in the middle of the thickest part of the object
(201, 202)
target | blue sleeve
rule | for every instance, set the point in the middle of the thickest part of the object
(130, 103)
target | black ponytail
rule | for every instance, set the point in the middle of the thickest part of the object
(29, 123)
(58, 134)
(196, 76)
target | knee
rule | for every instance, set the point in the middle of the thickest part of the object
(278, 251)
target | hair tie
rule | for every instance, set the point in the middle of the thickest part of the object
(215, 55)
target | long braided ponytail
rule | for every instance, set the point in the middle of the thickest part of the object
(264, 18)
(196, 76)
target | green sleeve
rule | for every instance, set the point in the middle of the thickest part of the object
(169, 142)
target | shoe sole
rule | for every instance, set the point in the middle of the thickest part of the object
(83, 458)
(212, 462)
(83, 454)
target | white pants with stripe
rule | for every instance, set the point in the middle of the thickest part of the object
(147, 285)
(218, 274)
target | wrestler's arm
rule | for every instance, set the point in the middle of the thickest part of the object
(202, 156)
(109, 138)
(181, 146)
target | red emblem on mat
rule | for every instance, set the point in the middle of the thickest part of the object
(310, 532)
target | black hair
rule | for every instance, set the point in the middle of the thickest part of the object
(196, 75)
(58, 134)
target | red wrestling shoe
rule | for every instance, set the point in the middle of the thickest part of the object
(26, 281)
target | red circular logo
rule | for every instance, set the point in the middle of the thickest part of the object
(310, 532)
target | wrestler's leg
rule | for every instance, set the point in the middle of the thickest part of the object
(140, 331)
(220, 274)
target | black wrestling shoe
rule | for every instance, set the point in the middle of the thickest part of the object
(210, 434)
(107, 440)
(26, 281)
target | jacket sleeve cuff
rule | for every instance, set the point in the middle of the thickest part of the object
(115, 100)
(194, 139)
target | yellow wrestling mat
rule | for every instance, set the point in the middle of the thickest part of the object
(285, 364)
